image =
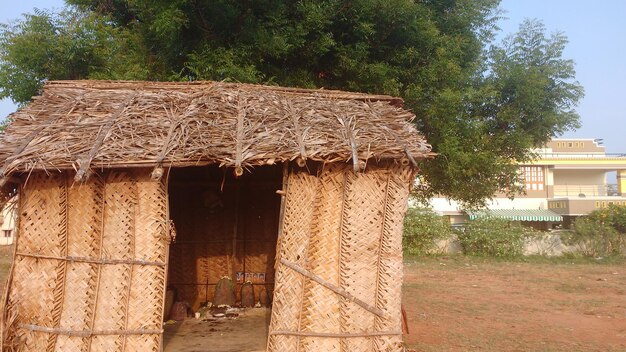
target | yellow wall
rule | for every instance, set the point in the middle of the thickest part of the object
(621, 182)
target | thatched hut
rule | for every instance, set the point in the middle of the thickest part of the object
(306, 188)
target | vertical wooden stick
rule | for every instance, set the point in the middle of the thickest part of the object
(281, 215)
(100, 250)
(235, 230)
(168, 241)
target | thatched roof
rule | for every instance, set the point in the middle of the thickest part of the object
(104, 124)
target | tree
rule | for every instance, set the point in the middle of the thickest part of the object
(524, 95)
(68, 45)
(478, 106)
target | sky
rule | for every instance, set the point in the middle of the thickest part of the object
(596, 32)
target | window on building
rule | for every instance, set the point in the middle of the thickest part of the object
(570, 144)
(7, 233)
(533, 178)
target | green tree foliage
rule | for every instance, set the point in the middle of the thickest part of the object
(67, 45)
(524, 95)
(480, 106)
(422, 229)
(601, 233)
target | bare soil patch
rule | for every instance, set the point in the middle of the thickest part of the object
(472, 304)
(247, 332)
(465, 304)
(6, 258)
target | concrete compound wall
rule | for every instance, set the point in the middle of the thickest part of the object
(549, 245)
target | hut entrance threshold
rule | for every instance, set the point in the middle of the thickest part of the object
(223, 255)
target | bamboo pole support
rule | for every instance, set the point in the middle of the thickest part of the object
(333, 288)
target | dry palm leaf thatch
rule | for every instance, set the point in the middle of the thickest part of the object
(103, 124)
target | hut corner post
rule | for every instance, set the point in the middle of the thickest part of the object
(281, 215)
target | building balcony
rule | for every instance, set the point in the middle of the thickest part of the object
(580, 155)
(578, 161)
(584, 191)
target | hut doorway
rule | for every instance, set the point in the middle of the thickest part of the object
(225, 227)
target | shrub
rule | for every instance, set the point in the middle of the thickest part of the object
(601, 233)
(494, 237)
(422, 229)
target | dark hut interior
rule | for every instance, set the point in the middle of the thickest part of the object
(225, 227)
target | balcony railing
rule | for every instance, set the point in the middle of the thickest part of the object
(581, 155)
(585, 190)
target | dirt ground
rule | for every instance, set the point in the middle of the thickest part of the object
(6, 253)
(468, 304)
(247, 332)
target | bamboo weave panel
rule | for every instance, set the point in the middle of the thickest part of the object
(289, 286)
(345, 228)
(119, 215)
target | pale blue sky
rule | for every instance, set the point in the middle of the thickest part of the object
(596, 32)
(597, 43)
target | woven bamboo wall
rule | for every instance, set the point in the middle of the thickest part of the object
(339, 275)
(214, 212)
(89, 271)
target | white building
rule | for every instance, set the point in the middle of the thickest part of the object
(7, 223)
(569, 179)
